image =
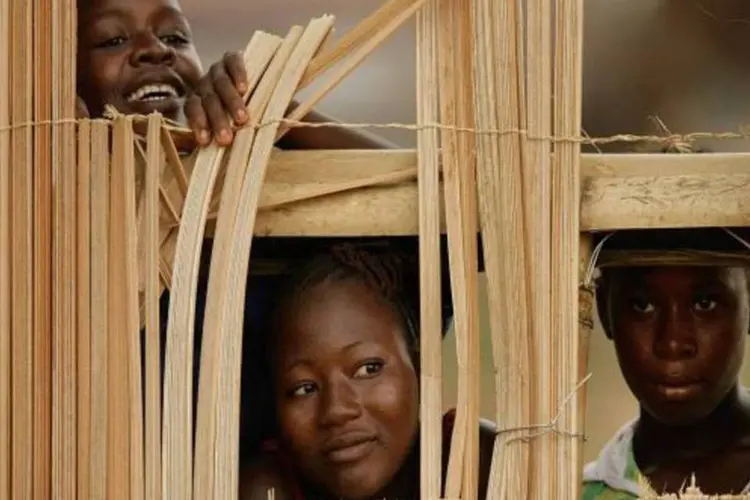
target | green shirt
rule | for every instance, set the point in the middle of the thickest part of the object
(614, 475)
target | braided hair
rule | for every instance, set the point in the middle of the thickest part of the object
(391, 275)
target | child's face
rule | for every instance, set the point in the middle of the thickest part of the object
(136, 55)
(346, 390)
(679, 335)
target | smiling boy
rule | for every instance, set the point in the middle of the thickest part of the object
(678, 321)
(138, 56)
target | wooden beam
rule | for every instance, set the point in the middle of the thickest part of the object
(619, 191)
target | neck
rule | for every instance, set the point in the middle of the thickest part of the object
(405, 484)
(656, 442)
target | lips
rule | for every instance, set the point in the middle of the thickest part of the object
(678, 388)
(348, 448)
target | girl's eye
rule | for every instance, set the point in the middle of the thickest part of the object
(112, 42)
(704, 304)
(302, 390)
(642, 306)
(369, 369)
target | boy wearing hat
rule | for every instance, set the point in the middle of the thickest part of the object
(677, 308)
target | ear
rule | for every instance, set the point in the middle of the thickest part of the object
(602, 303)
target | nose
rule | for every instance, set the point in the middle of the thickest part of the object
(340, 404)
(675, 339)
(149, 50)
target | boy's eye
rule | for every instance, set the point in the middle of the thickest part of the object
(704, 304)
(174, 39)
(369, 369)
(112, 42)
(642, 306)
(304, 389)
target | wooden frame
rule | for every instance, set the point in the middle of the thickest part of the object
(374, 193)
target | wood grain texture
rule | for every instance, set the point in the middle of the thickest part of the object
(617, 191)
(5, 250)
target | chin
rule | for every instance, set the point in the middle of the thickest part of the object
(357, 486)
(682, 414)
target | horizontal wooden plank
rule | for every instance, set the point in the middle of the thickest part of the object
(619, 191)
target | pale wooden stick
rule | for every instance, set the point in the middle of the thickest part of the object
(431, 340)
(44, 74)
(132, 316)
(5, 250)
(501, 209)
(353, 39)
(151, 292)
(270, 56)
(227, 460)
(586, 315)
(174, 162)
(177, 446)
(64, 146)
(83, 326)
(456, 106)
(536, 183)
(355, 59)
(119, 412)
(298, 193)
(566, 187)
(100, 210)
(248, 57)
(22, 253)
(164, 197)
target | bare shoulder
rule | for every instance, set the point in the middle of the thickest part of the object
(259, 478)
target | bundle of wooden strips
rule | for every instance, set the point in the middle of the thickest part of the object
(39, 372)
(431, 386)
(529, 209)
(5, 251)
(277, 68)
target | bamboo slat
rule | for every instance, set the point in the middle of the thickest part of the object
(21, 196)
(84, 305)
(385, 28)
(124, 174)
(120, 460)
(5, 249)
(270, 55)
(566, 189)
(43, 245)
(428, 159)
(536, 177)
(586, 315)
(152, 375)
(65, 286)
(100, 223)
(229, 376)
(501, 182)
(456, 92)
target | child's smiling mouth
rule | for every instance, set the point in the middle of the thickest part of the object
(163, 92)
(154, 93)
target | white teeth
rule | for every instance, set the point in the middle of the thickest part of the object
(153, 93)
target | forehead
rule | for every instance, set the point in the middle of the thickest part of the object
(673, 278)
(334, 315)
(140, 9)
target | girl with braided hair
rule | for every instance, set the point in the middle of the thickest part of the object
(342, 356)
